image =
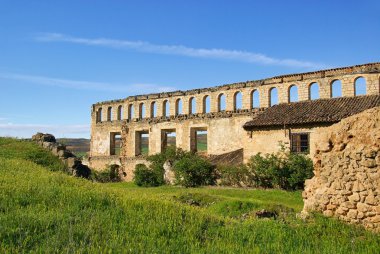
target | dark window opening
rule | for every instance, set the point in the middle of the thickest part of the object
(99, 115)
(300, 142)
(115, 143)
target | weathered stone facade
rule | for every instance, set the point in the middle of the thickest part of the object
(150, 115)
(347, 171)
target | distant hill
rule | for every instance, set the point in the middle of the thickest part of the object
(79, 146)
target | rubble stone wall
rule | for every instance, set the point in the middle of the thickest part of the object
(346, 184)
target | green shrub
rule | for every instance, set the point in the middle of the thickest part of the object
(192, 170)
(300, 169)
(110, 174)
(282, 170)
(157, 162)
(145, 176)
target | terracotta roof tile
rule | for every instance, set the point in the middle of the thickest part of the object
(312, 112)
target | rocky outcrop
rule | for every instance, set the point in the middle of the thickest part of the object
(346, 184)
(74, 164)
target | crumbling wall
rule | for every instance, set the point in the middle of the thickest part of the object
(74, 164)
(346, 184)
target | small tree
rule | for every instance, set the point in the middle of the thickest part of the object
(145, 177)
(192, 170)
(283, 170)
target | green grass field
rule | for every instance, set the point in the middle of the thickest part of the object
(47, 211)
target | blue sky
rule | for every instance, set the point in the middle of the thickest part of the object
(59, 57)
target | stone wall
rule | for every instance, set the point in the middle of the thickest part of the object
(225, 132)
(346, 184)
(74, 164)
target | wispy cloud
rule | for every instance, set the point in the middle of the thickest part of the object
(86, 85)
(27, 130)
(237, 55)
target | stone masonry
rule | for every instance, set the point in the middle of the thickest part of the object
(346, 184)
(185, 113)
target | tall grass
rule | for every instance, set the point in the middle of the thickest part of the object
(50, 212)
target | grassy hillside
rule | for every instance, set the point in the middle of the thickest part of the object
(45, 211)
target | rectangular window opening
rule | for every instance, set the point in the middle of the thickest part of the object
(300, 142)
(115, 143)
(169, 139)
(142, 143)
(198, 140)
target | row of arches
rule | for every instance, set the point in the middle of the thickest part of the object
(336, 91)
(110, 117)
(273, 96)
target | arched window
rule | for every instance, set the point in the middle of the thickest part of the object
(336, 88)
(206, 104)
(166, 108)
(273, 96)
(221, 102)
(142, 110)
(153, 109)
(360, 86)
(313, 91)
(99, 115)
(238, 100)
(192, 106)
(255, 99)
(119, 112)
(130, 111)
(109, 114)
(178, 107)
(293, 93)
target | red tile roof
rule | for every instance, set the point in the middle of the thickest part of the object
(312, 112)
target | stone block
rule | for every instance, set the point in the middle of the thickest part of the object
(370, 199)
(352, 214)
(354, 197)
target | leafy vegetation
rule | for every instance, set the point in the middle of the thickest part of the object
(145, 177)
(283, 170)
(192, 170)
(156, 176)
(51, 212)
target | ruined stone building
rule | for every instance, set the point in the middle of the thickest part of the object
(242, 118)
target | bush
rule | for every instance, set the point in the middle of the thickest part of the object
(192, 170)
(283, 170)
(145, 177)
(110, 174)
(189, 168)
(157, 162)
(300, 168)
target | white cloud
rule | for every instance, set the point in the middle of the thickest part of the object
(27, 130)
(86, 85)
(238, 55)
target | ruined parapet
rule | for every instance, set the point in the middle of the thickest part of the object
(74, 164)
(346, 184)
